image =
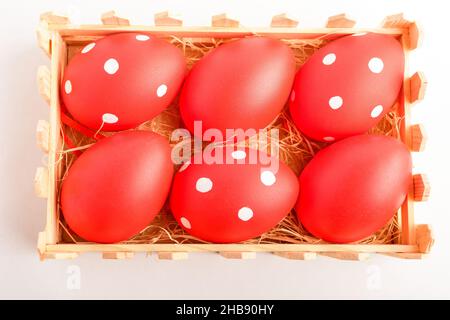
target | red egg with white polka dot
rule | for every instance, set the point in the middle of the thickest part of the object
(237, 199)
(122, 80)
(347, 86)
(117, 186)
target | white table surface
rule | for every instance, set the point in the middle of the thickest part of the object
(22, 275)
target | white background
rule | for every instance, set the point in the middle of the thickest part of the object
(208, 275)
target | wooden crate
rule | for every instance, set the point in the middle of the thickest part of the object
(56, 35)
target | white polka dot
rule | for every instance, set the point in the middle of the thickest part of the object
(88, 48)
(203, 185)
(238, 155)
(376, 65)
(161, 91)
(109, 118)
(185, 222)
(292, 95)
(329, 139)
(184, 166)
(267, 178)
(245, 213)
(335, 102)
(376, 111)
(142, 37)
(359, 34)
(68, 86)
(329, 59)
(111, 66)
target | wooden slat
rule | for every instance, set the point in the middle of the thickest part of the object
(43, 255)
(421, 187)
(418, 138)
(52, 18)
(404, 110)
(222, 20)
(395, 21)
(43, 38)
(110, 18)
(418, 85)
(41, 243)
(166, 18)
(424, 236)
(406, 255)
(43, 33)
(283, 21)
(93, 32)
(59, 255)
(297, 255)
(238, 254)
(41, 182)
(414, 32)
(58, 62)
(353, 256)
(172, 255)
(415, 35)
(118, 255)
(199, 247)
(43, 135)
(340, 21)
(43, 81)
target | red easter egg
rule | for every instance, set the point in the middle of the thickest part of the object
(233, 201)
(242, 84)
(117, 186)
(353, 187)
(122, 80)
(347, 86)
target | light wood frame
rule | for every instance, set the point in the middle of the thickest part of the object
(55, 34)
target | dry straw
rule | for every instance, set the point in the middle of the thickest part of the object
(295, 150)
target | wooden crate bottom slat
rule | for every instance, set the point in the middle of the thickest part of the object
(388, 248)
(407, 255)
(351, 255)
(296, 255)
(238, 254)
(172, 255)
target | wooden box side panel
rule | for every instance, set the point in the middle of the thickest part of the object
(407, 209)
(58, 62)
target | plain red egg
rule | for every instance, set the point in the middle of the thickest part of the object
(233, 201)
(122, 80)
(353, 187)
(116, 187)
(242, 84)
(347, 86)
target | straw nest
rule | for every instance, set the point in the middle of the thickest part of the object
(295, 150)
